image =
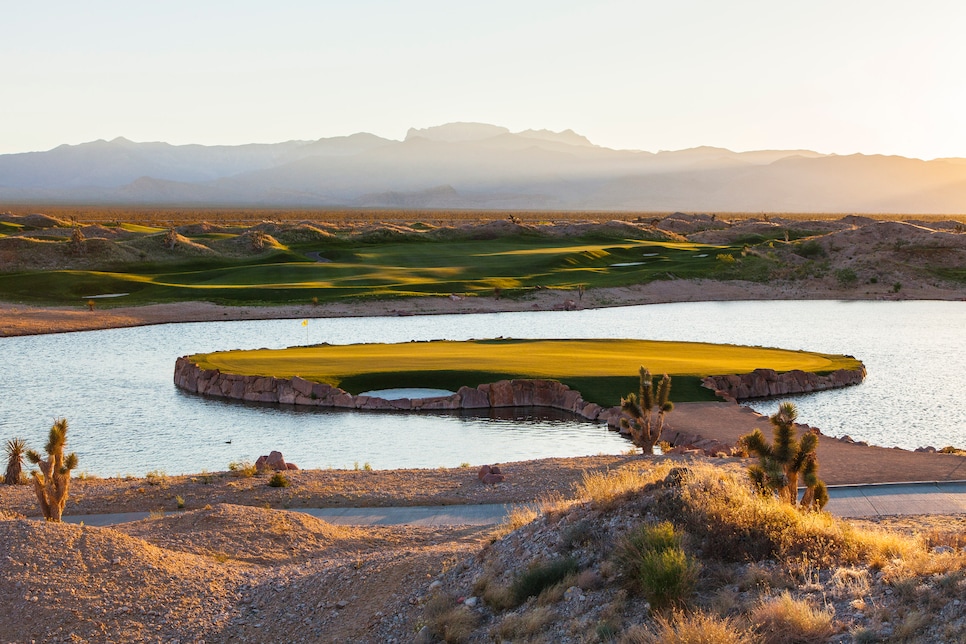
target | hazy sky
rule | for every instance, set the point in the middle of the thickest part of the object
(877, 76)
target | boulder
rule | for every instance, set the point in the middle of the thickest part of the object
(490, 475)
(472, 398)
(274, 461)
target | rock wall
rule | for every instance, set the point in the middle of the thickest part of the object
(760, 383)
(765, 383)
(296, 391)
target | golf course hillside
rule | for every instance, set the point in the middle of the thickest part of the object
(600, 370)
(49, 261)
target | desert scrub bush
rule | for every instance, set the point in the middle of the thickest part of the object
(540, 576)
(16, 449)
(729, 521)
(156, 477)
(690, 628)
(786, 620)
(448, 621)
(243, 469)
(278, 480)
(656, 565)
(810, 250)
(846, 277)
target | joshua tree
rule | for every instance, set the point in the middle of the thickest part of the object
(645, 430)
(15, 448)
(784, 461)
(52, 482)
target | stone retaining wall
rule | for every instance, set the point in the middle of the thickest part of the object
(767, 383)
(296, 391)
(760, 383)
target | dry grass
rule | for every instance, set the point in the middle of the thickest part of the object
(786, 620)
(690, 628)
(518, 517)
(523, 627)
(450, 621)
(607, 489)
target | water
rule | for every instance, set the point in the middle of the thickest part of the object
(115, 386)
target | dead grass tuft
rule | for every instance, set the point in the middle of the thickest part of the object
(786, 620)
(522, 627)
(450, 621)
(690, 628)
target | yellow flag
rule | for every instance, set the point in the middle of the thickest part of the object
(305, 322)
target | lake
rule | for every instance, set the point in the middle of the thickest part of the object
(126, 417)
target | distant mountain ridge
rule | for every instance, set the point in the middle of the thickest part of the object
(477, 165)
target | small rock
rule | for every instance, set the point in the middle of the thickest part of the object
(472, 601)
(341, 604)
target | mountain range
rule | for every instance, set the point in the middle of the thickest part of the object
(480, 166)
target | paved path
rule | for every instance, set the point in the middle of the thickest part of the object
(897, 498)
(844, 501)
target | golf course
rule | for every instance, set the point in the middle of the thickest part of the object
(602, 370)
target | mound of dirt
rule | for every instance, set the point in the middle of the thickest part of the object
(250, 242)
(246, 533)
(34, 220)
(169, 245)
(76, 583)
(203, 228)
(302, 234)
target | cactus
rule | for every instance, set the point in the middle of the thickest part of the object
(15, 449)
(52, 481)
(638, 419)
(784, 461)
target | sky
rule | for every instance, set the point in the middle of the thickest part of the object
(835, 76)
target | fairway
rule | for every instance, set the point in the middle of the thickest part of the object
(602, 370)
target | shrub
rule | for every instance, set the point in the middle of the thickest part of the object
(810, 250)
(725, 258)
(540, 576)
(15, 448)
(278, 480)
(846, 277)
(656, 565)
(244, 469)
(156, 477)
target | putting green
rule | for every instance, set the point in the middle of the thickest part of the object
(601, 369)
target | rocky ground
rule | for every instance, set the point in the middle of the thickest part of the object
(234, 571)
